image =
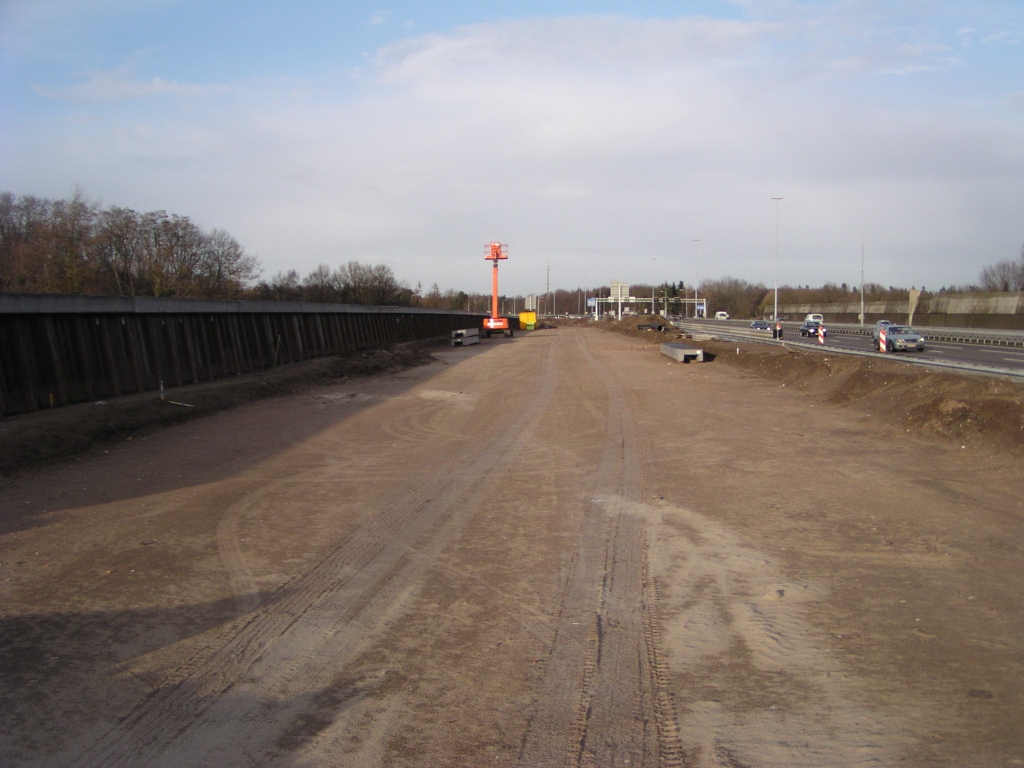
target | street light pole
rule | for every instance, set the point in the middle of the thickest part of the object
(548, 286)
(654, 271)
(696, 240)
(776, 316)
(862, 282)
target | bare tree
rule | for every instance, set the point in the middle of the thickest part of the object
(737, 297)
(71, 246)
(366, 284)
(1004, 275)
(225, 268)
(321, 285)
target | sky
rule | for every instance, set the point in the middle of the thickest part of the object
(638, 141)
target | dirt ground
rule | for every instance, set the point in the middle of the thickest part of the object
(559, 549)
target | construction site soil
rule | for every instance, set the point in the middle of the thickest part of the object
(51, 434)
(967, 408)
(558, 549)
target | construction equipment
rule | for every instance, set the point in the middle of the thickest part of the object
(495, 253)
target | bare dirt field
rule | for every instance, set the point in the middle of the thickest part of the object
(555, 550)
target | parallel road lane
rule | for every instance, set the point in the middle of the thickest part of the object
(975, 358)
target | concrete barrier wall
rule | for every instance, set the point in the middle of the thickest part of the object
(56, 350)
(1003, 311)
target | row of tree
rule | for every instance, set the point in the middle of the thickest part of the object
(73, 246)
(1004, 275)
(351, 283)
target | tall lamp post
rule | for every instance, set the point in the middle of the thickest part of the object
(776, 315)
(862, 282)
(654, 271)
(696, 261)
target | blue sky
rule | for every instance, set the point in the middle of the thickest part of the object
(600, 138)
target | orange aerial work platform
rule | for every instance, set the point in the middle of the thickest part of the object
(495, 253)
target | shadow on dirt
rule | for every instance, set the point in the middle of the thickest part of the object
(121, 457)
(63, 676)
(38, 438)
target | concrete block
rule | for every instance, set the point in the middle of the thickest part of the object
(682, 353)
(465, 337)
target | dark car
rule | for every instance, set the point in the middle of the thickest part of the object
(810, 328)
(761, 325)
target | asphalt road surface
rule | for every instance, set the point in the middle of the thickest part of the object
(942, 351)
(976, 354)
(554, 550)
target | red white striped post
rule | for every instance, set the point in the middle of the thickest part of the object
(881, 339)
(821, 334)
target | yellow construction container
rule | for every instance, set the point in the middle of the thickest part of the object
(527, 320)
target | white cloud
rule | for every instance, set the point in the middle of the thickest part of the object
(594, 144)
(564, 192)
(120, 84)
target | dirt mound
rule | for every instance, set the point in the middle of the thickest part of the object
(642, 327)
(46, 435)
(957, 407)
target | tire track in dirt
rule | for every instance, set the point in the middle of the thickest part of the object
(604, 699)
(225, 708)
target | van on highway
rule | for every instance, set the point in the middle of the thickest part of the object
(814, 316)
(721, 315)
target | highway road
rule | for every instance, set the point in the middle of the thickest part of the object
(999, 358)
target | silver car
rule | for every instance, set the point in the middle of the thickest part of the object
(902, 338)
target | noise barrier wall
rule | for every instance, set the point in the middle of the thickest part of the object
(56, 350)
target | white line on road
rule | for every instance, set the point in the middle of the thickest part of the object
(1001, 351)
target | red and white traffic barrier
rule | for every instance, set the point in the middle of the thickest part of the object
(821, 334)
(881, 340)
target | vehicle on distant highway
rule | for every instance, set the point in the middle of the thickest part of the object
(878, 326)
(814, 316)
(761, 325)
(902, 338)
(721, 315)
(810, 328)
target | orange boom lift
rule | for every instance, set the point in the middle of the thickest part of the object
(495, 253)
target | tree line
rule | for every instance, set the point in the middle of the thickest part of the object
(75, 247)
(1004, 275)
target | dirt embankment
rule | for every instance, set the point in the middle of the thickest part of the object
(37, 438)
(964, 408)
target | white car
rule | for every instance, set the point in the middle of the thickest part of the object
(721, 315)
